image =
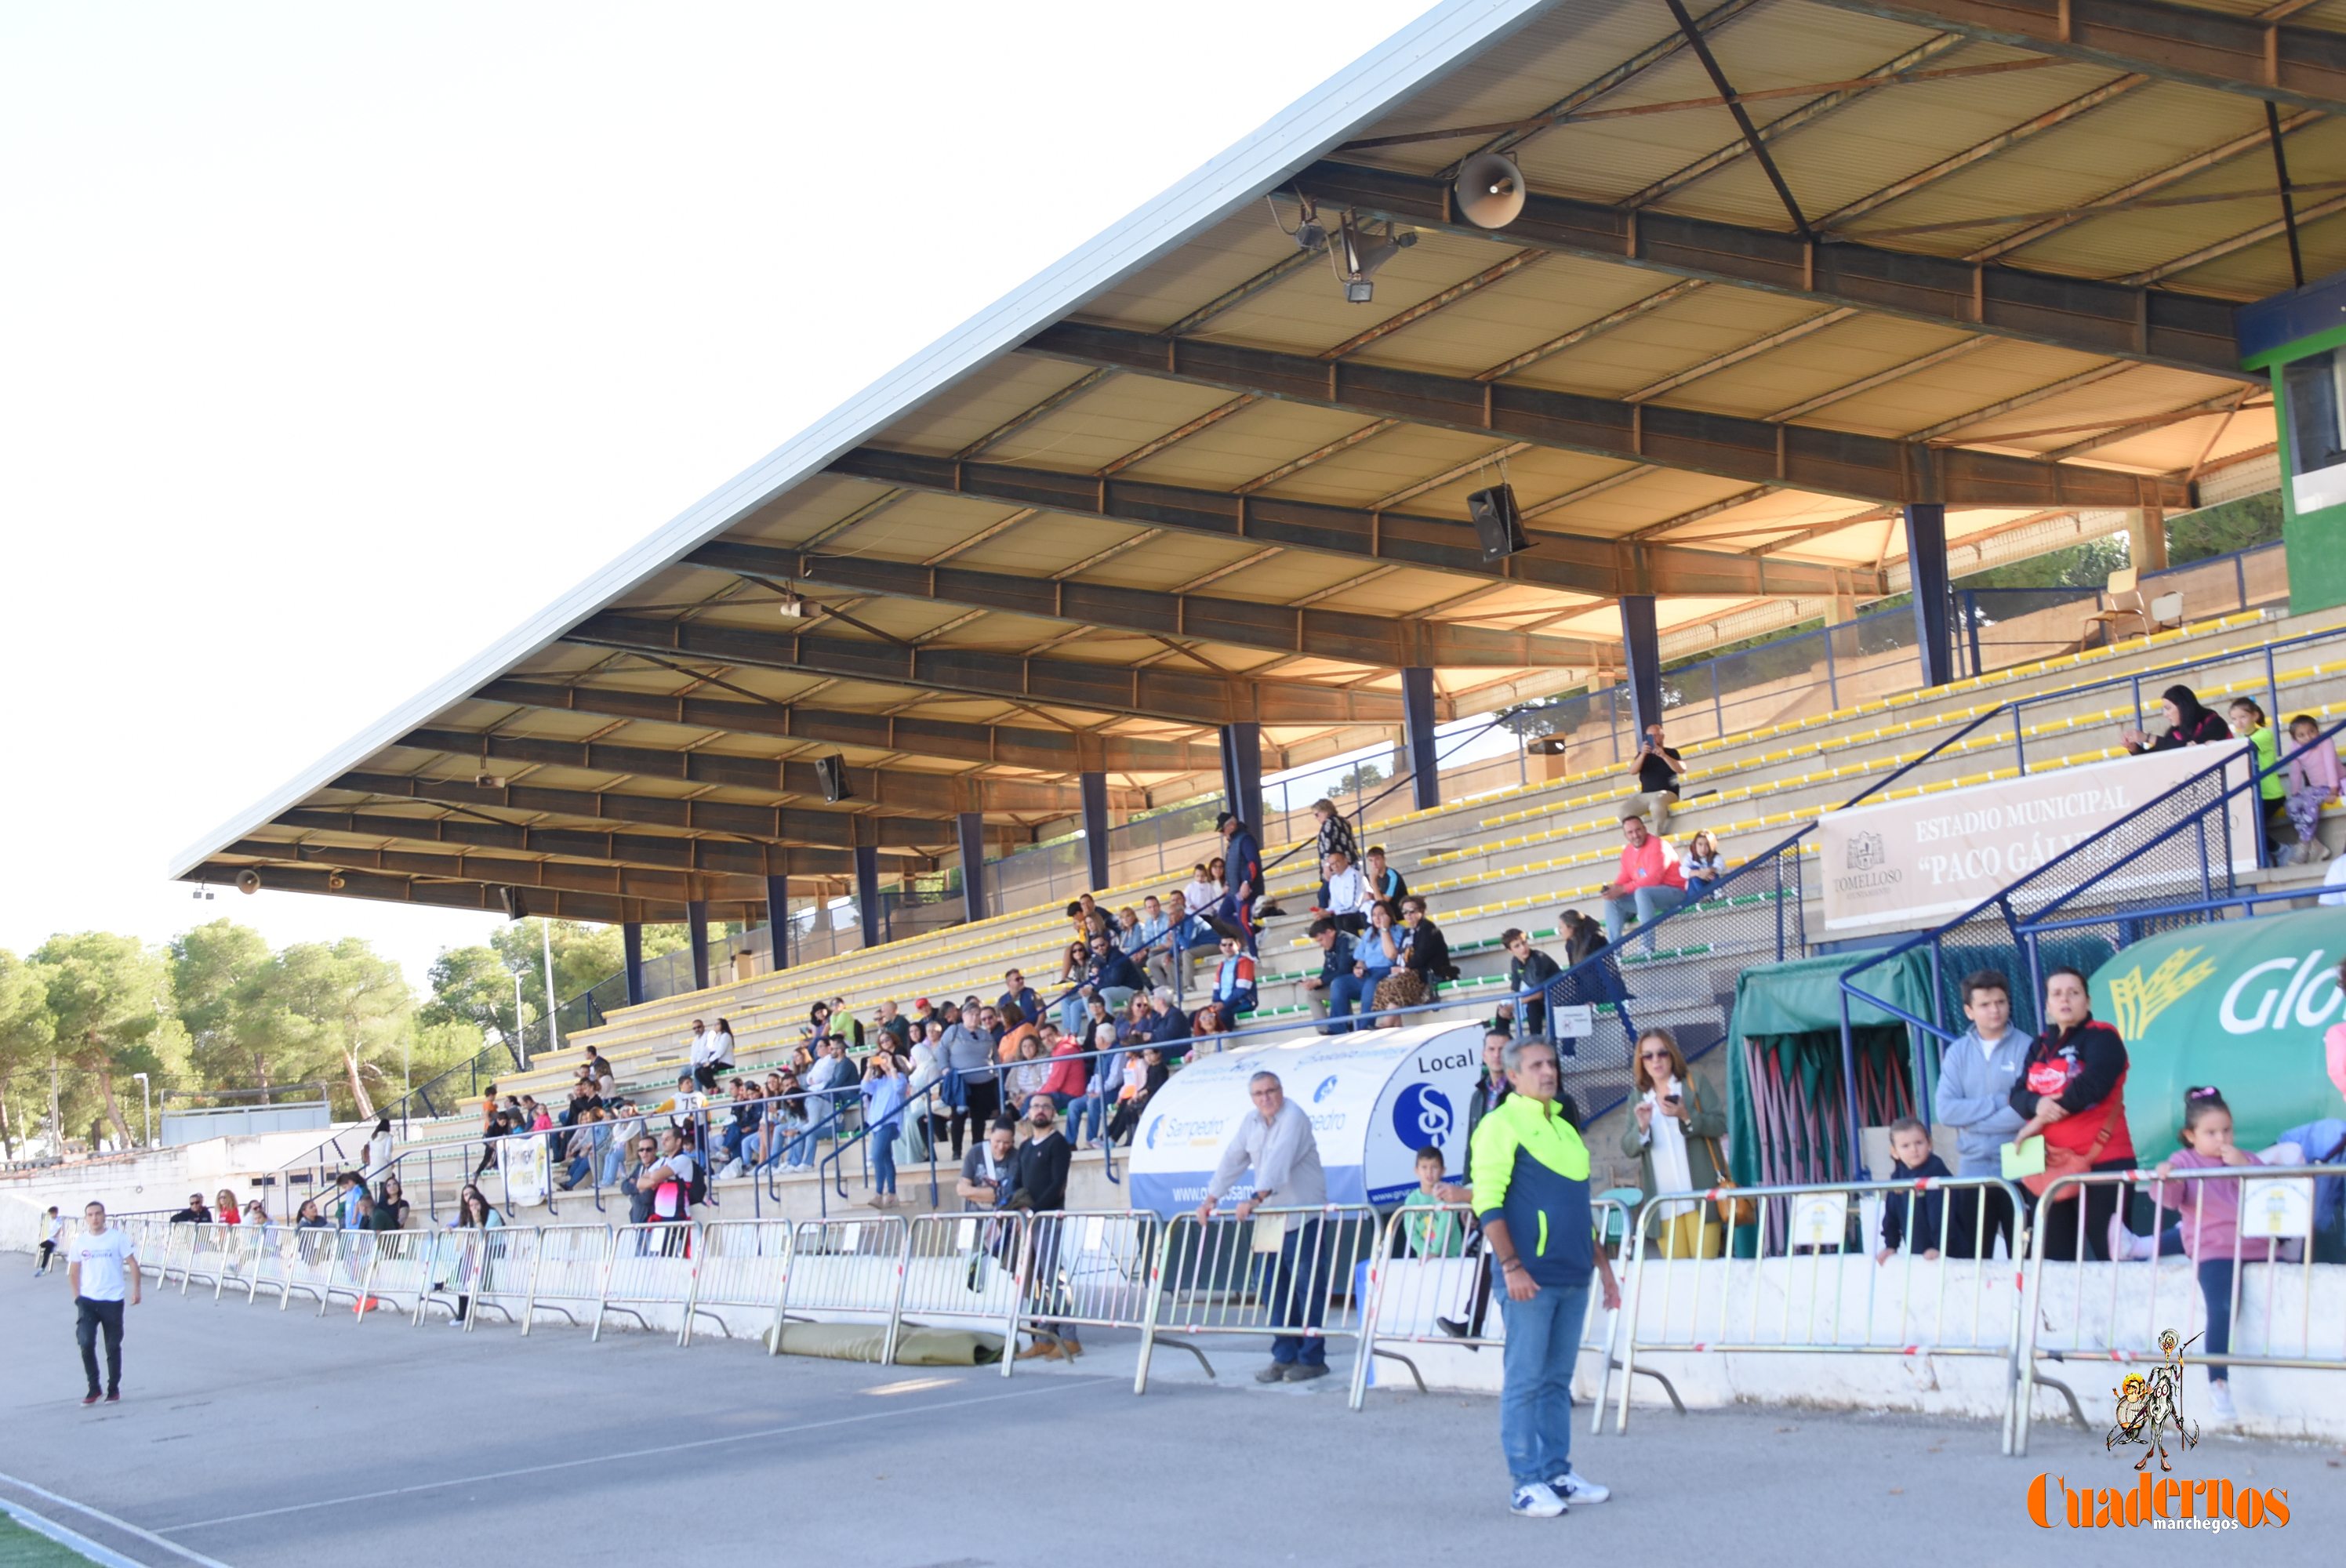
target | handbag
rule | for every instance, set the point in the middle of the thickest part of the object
(1732, 1211)
(2059, 1163)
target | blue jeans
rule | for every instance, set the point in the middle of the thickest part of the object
(1081, 1106)
(883, 1159)
(2215, 1292)
(1648, 904)
(577, 1171)
(1542, 1346)
(1296, 1292)
(611, 1159)
(1345, 993)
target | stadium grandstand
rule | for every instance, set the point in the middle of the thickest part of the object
(1565, 380)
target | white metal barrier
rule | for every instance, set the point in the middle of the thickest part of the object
(1284, 1273)
(207, 1246)
(650, 1268)
(400, 1271)
(507, 1256)
(1430, 1266)
(2225, 1260)
(307, 1263)
(744, 1264)
(1093, 1270)
(1801, 1276)
(239, 1260)
(845, 1270)
(568, 1270)
(178, 1243)
(967, 1269)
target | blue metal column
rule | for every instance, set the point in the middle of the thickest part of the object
(1641, 654)
(1926, 570)
(970, 827)
(1417, 726)
(867, 893)
(631, 941)
(1242, 772)
(778, 920)
(1094, 787)
(695, 919)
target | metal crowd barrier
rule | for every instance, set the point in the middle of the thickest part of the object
(1801, 1277)
(845, 1269)
(969, 1269)
(1093, 1269)
(179, 1242)
(1430, 1264)
(2261, 1279)
(651, 1268)
(400, 1270)
(206, 1245)
(506, 1255)
(240, 1258)
(308, 1258)
(1285, 1272)
(567, 1268)
(743, 1264)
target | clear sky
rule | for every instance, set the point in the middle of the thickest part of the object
(333, 339)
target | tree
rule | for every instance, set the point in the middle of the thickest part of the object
(212, 968)
(472, 988)
(109, 995)
(344, 1006)
(28, 1034)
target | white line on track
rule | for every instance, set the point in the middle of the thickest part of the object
(173, 1547)
(475, 1477)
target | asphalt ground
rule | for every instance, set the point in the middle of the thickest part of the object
(254, 1438)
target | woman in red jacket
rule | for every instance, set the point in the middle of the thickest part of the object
(2072, 1090)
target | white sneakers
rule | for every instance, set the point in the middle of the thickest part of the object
(2219, 1403)
(2125, 1246)
(1556, 1497)
(1535, 1503)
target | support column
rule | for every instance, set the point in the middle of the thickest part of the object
(867, 893)
(1641, 657)
(1417, 726)
(970, 827)
(777, 921)
(1093, 788)
(631, 943)
(1242, 772)
(695, 919)
(2146, 539)
(1926, 572)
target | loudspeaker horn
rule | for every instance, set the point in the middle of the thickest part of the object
(248, 881)
(334, 881)
(1490, 191)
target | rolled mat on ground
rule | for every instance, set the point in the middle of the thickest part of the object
(915, 1347)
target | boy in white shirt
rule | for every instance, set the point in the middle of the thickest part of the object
(100, 1270)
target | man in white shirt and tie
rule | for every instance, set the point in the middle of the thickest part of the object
(1277, 1144)
(101, 1269)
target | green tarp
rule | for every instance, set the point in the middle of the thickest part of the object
(2241, 1004)
(1788, 1017)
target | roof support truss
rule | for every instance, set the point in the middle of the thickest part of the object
(2181, 332)
(463, 893)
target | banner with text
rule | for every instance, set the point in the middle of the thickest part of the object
(1901, 865)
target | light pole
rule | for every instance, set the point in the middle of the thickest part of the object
(146, 1107)
(521, 1040)
(545, 946)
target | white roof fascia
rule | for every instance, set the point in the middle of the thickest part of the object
(1306, 129)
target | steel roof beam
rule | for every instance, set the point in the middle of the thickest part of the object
(902, 790)
(958, 740)
(599, 909)
(2200, 47)
(765, 824)
(1379, 641)
(1183, 697)
(1602, 568)
(651, 851)
(623, 878)
(2156, 326)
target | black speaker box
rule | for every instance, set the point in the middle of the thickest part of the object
(831, 773)
(1497, 522)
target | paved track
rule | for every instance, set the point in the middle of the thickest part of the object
(262, 1439)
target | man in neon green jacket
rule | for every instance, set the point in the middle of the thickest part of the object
(1529, 1171)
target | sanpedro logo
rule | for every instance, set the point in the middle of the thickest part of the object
(2213, 1504)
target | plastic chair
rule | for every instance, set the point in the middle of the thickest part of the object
(2125, 595)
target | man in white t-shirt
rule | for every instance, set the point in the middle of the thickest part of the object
(101, 1269)
(53, 1230)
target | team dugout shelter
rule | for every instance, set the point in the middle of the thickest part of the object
(1549, 337)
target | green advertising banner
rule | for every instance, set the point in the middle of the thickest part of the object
(2241, 1004)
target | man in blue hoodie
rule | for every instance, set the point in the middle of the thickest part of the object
(1975, 1077)
(1529, 1171)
